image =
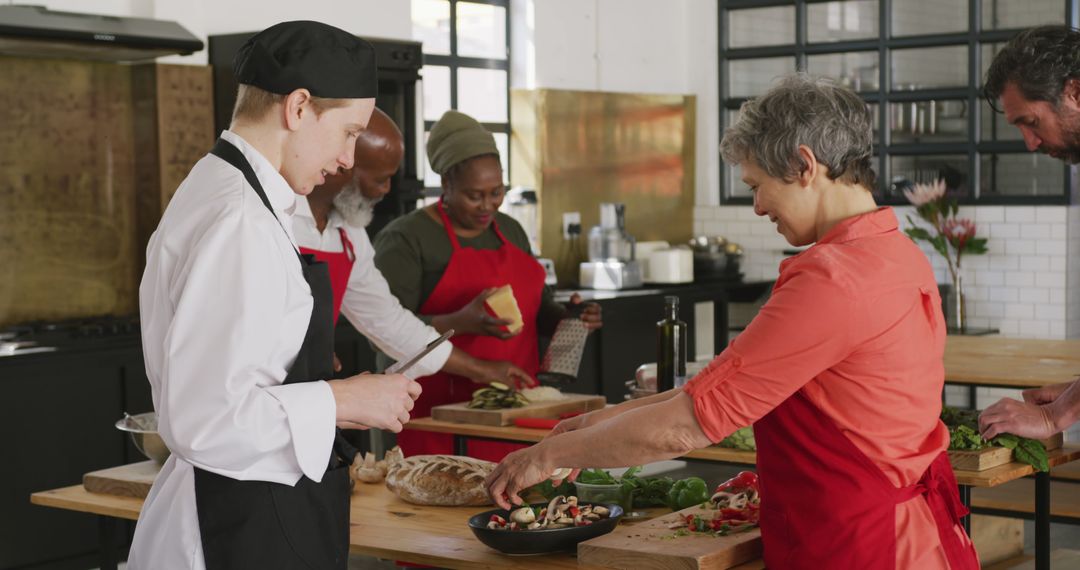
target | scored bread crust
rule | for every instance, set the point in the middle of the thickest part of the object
(441, 480)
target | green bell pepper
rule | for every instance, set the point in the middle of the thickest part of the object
(688, 492)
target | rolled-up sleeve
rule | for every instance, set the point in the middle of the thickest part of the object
(804, 329)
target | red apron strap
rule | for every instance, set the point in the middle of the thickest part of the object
(446, 225)
(346, 244)
(944, 500)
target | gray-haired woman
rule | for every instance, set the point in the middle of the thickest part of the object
(840, 373)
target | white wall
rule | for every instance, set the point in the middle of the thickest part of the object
(374, 18)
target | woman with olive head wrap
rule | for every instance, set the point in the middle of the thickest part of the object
(443, 261)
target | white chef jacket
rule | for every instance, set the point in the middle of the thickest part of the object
(224, 309)
(368, 303)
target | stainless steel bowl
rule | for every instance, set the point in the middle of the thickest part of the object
(143, 430)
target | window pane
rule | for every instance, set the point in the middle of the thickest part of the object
(431, 180)
(928, 121)
(436, 84)
(761, 27)
(431, 25)
(875, 117)
(736, 188)
(997, 15)
(928, 68)
(1026, 174)
(481, 30)
(857, 70)
(920, 17)
(749, 77)
(987, 52)
(840, 21)
(502, 142)
(909, 170)
(482, 94)
(995, 127)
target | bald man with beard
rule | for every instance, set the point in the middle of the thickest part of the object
(330, 224)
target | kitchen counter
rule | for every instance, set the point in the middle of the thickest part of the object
(382, 525)
(738, 291)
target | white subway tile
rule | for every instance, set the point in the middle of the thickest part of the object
(1035, 231)
(1057, 296)
(747, 214)
(1050, 279)
(1057, 330)
(1059, 231)
(1004, 231)
(987, 309)
(1050, 312)
(1019, 279)
(1004, 294)
(991, 278)
(1020, 214)
(1002, 262)
(1036, 295)
(1050, 214)
(1022, 247)
(1034, 329)
(988, 214)
(1035, 263)
(1019, 311)
(1060, 263)
(1009, 327)
(699, 227)
(1050, 247)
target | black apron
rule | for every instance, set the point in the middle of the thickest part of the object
(258, 524)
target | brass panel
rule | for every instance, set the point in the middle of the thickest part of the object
(581, 148)
(67, 222)
(90, 153)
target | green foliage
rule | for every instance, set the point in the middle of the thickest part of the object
(743, 439)
(688, 492)
(964, 436)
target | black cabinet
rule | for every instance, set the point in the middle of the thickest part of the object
(57, 417)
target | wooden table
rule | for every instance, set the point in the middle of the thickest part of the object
(965, 479)
(382, 525)
(1010, 362)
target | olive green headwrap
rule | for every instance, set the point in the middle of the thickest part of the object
(455, 138)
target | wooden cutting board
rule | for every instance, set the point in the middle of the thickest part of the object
(652, 545)
(984, 459)
(132, 480)
(462, 414)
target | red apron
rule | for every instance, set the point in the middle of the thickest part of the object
(340, 264)
(824, 504)
(469, 272)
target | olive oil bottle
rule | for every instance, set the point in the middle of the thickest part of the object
(670, 348)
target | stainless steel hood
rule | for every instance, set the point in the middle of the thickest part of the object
(34, 31)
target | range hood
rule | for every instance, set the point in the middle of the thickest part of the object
(34, 31)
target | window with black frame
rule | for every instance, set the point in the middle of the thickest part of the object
(466, 67)
(932, 121)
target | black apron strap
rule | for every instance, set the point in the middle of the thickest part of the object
(228, 152)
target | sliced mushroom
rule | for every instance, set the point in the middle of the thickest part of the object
(524, 515)
(557, 525)
(365, 470)
(602, 511)
(721, 499)
(556, 508)
(493, 525)
(564, 521)
(534, 526)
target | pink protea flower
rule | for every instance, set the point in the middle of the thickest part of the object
(959, 231)
(924, 193)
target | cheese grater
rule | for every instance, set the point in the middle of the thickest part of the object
(563, 357)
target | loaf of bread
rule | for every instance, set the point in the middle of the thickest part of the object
(442, 480)
(504, 305)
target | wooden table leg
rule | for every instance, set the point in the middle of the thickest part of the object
(108, 537)
(1042, 520)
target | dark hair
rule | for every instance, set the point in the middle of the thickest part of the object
(1038, 61)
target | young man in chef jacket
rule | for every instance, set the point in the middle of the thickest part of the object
(237, 325)
(329, 224)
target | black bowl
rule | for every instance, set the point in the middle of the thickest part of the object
(540, 541)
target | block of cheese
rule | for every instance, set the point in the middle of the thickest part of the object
(505, 306)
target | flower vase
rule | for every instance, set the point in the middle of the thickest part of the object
(959, 311)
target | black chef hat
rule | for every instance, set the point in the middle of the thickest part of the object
(327, 61)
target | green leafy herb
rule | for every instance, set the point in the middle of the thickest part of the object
(964, 436)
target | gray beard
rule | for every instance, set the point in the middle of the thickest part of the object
(356, 209)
